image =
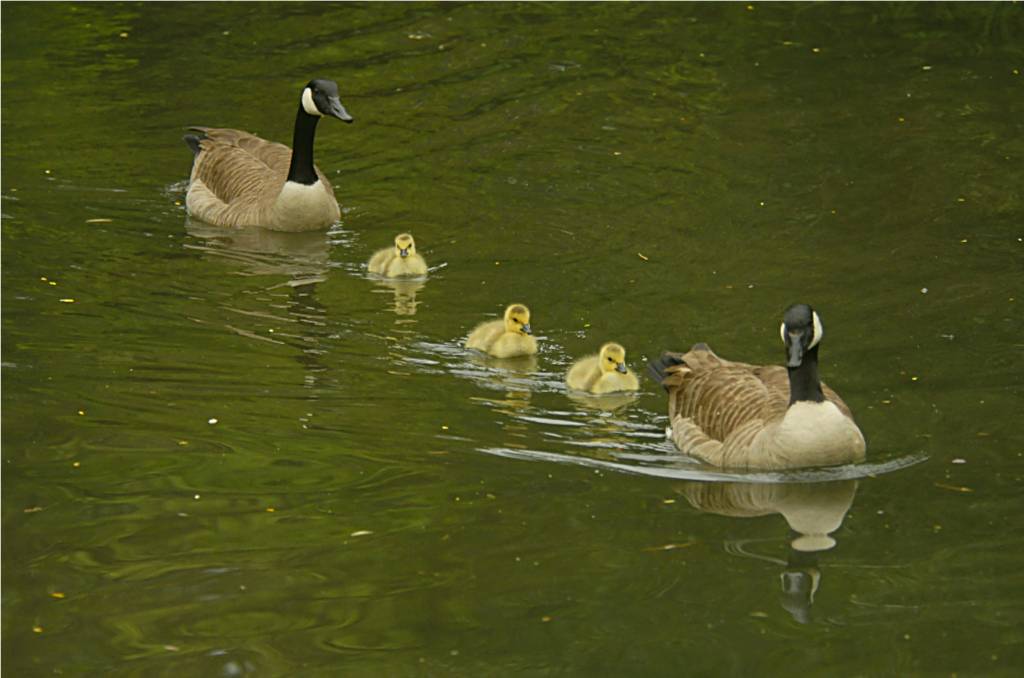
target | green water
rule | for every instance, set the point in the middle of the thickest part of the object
(234, 454)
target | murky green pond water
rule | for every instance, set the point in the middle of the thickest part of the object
(232, 453)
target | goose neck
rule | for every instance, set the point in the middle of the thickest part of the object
(301, 169)
(804, 384)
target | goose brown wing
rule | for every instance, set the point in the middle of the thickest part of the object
(719, 396)
(233, 163)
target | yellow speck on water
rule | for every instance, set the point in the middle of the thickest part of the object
(76, 464)
(901, 119)
(963, 241)
(816, 49)
(270, 509)
(124, 35)
(670, 547)
(43, 278)
(182, 443)
(750, 8)
(961, 199)
(46, 171)
(668, 501)
(52, 282)
(545, 619)
(67, 300)
(887, 402)
(616, 152)
(913, 378)
(444, 427)
(642, 256)
(954, 488)
(81, 413)
(360, 533)
(37, 629)
(57, 594)
(759, 614)
(32, 509)
(99, 220)
(497, 263)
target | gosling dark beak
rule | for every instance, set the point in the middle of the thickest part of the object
(403, 252)
(620, 367)
(526, 328)
(338, 111)
(794, 350)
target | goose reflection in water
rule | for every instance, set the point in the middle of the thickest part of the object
(302, 258)
(813, 511)
(298, 261)
(405, 294)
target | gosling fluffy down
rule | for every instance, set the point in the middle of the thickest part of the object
(398, 261)
(604, 372)
(509, 337)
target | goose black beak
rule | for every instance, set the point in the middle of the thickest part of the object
(794, 351)
(620, 367)
(403, 252)
(526, 328)
(338, 111)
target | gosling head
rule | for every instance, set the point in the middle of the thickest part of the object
(801, 331)
(517, 319)
(404, 245)
(320, 98)
(612, 357)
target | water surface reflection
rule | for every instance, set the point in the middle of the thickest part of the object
(813, 512)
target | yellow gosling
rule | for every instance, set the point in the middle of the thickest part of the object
(605, 372)
(506, 338)
(398, 261)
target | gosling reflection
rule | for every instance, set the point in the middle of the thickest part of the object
(608, 402)
(813, 511)
(505, 368)
(404, 303)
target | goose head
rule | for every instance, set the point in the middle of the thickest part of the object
(801, 331)
(517, 319)
(612, 358)
(320, 98)
(404, 245)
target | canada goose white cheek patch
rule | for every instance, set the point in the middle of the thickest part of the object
(307, 103)
(818, 331)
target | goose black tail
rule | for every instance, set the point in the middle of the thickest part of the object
(659, 366)
(193, 142)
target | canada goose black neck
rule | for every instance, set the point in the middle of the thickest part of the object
(804, 384)
(301, 170)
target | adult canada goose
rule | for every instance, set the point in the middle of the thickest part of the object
(603, 372)
(239, 179)
(398, 261)
(509, 337)
(736, 415)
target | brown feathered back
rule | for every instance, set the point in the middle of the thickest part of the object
(720, 396)
(242, 175)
